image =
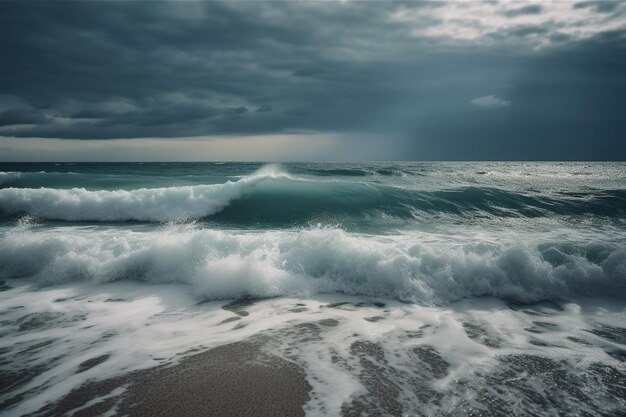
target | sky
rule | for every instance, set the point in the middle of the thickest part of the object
(312, 80)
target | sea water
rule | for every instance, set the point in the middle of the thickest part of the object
(464, 287)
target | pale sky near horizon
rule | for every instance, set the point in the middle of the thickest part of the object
(312, 80)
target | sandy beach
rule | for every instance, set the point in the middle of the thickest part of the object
(238, 379)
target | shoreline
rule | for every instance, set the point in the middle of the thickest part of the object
(337, 355)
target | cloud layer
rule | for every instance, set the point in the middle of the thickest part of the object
(421, 74)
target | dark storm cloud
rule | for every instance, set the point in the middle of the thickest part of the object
(554, 114)
(521, 32)
(201, 65)
(20, 116)
(103, 70)
(603, 6)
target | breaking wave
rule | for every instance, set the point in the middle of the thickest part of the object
(270, 195)
(221, 265)
(9, 176)
(146, 204)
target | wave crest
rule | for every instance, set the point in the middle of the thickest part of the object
(271, 196)
(230, 265)
(9, 176)
(146, 204)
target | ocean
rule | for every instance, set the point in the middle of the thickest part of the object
(388, 288)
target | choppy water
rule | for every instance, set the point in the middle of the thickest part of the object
(521, 265)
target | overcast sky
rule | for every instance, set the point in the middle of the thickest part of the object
(94, 80)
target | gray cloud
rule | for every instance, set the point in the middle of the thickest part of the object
(21, 116)
(105, 70)
(524, 10)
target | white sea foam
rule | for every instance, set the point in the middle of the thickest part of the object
(77, 293)
(146, 204)
(417, 267)
(86, 322)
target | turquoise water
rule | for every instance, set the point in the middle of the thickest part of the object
(419, 232)
(441, 288)
(357, 196)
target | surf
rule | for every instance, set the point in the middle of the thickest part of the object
(273, 196)
(412, 268)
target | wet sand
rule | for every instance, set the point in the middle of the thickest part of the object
(238, 379)
(243, 378)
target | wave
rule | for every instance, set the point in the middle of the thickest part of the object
(146, 204)
(9, 176)
(230, 265)
(34, 179)
(273, 196)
